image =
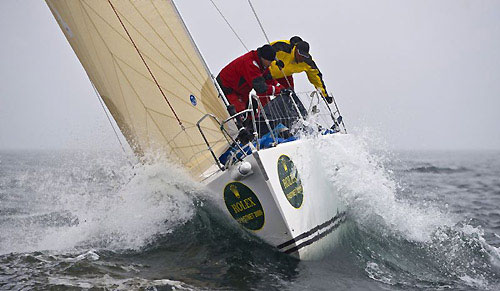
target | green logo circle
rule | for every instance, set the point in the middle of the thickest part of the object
(244, 205)
(290, 181)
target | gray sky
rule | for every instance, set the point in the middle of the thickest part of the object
(421, 74)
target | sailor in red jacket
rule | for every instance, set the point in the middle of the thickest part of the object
(250, 71)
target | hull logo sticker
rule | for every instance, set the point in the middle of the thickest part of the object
(243, 205)
(290, 181)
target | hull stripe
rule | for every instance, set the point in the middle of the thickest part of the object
(339, 217)
(316, 238)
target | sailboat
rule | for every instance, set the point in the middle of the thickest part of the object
(140, 57)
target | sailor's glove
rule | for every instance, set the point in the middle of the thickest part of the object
(329, 99)
(280, 64)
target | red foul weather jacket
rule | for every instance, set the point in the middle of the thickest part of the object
(242, 75)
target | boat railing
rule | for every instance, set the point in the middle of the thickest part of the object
(266, 120)
(295, 112)
(320, 107)
(230, 138)
(210, 148)
(276, 121)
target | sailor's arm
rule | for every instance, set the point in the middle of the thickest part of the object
(263, 83)
(315, 77)
(265, 87)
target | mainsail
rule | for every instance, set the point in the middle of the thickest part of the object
(147, 69)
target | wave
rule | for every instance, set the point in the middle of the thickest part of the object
(157, 223)
(100, 203)
(404, 242)
(438, 170)
(154, 215)
(81, 270)
(104, 218)
(454, 258)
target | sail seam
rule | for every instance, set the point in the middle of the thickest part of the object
(109, 24)
(192, 145)
(117, 65)
(198, 144)
(207, 106)
(178, 42)
(87, 25)
(166, 44)
(159, 51)
(172, 93)
(187, 122)
(89, 59)
(86, 20)
(117, 68)
(148, 110)
(172, 148)
(151, 73)
(114, 58)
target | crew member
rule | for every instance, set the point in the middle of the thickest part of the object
(293, 57)
(249, 71)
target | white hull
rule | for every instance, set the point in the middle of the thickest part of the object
(307, 223)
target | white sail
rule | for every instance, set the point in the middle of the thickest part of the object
(143, 62)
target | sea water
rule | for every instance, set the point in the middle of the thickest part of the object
(73, 220)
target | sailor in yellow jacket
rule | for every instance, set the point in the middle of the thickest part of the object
(293, 57)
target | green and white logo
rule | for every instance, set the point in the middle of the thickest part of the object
(290, 181)
(244, 205)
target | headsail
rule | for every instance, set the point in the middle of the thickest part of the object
(148, 71)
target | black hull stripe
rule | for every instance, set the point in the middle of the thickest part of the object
(316, 238)
(315, 229)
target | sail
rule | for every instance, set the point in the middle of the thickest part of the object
(147, 69)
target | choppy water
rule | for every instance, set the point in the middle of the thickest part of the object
(416, 220)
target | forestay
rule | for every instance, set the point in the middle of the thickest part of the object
(134, 50)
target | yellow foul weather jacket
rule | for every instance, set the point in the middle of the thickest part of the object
(286, 53)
